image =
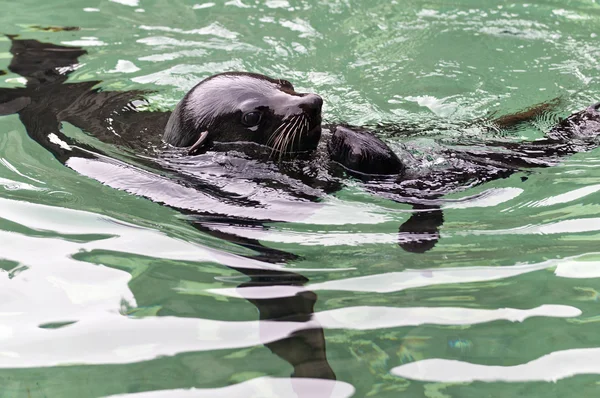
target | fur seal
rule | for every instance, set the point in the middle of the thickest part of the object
(249, 107)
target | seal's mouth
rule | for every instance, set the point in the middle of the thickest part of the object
(314, 130)
(300, 133)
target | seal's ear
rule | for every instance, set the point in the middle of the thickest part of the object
(195, 149)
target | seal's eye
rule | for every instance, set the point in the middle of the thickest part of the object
(251, 119)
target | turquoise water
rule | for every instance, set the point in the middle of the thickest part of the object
(107, 293)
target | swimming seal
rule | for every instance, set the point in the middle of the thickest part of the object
(249, 107)
(216, 110)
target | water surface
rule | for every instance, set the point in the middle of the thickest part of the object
(107, 293)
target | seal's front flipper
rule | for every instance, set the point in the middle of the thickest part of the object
(360, 151)
(421, 231)
(42, 63)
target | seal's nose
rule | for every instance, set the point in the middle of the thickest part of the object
(312, 102)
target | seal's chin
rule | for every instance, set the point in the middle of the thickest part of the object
(310, 139)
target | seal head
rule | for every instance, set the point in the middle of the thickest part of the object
(246, 107)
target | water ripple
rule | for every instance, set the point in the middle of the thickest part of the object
(552, 367)
(264, 387)
(373, 318)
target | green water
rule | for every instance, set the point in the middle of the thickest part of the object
(105, 293)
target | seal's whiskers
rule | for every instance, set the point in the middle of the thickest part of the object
(278, 140)
(290, 135)
(300, 130)
(274, 134)
(286, 136)
(283, 139)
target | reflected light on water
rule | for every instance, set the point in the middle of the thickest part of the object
(552, 367)
(263, 387)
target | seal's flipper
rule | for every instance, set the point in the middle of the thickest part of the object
(576, 133)
(526, 116)
(42, 63)
(360, 151)
(422, 230)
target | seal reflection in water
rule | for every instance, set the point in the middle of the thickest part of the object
(264, 119)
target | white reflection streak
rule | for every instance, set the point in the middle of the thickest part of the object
(127, 238)
(130, 3)
(12, 168)
(24, 345)
(105, 338)
(264, 387)
(581, 266)
(414, 278)
(314, 238)
(369, 318)
(552, 367)
(568, 196)
(16, 185)
(489, 198)
(577, 225)
(215, 29)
